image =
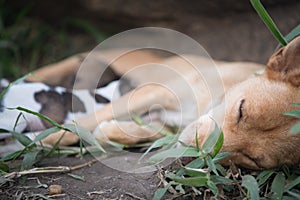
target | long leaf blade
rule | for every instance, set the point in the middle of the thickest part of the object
(251, 185)
(278, 186)
(265, 17)
(219, 144)
(211, 141)
(23, 139)
(159, 193)
(264, 176)
(43, 117)
(295, 129)
(197, 181)
(84, 134)
(174, 153)
(29, 159)
(292, 184)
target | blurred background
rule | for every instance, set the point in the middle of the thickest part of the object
(34, 33)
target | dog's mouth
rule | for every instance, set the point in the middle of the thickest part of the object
(243, 160)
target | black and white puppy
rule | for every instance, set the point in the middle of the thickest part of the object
(58, 103)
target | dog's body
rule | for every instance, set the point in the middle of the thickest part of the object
(58, 103)
(251, 117)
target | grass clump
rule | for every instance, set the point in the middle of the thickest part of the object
(203, 171)
(207, 178)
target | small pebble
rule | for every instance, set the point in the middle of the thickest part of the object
(55, 189)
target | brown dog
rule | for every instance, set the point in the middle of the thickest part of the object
(255, 128)
(250, 115)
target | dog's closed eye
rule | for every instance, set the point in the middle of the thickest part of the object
(241, 107)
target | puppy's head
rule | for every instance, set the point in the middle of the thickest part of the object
(256, 131)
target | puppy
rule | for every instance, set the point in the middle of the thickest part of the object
(251, 115)
(58, 103)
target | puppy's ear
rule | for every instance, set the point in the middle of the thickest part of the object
(284, 65)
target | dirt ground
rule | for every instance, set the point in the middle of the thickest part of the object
(99, 182)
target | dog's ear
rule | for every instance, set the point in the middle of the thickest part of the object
(284, 65)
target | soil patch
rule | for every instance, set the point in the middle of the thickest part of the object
(100, 182)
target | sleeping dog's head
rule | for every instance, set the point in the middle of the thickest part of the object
(256, 130)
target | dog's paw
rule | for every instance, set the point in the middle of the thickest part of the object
(124, 132)
(202, 127)
(106, 131)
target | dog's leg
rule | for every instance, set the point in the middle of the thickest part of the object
(120, 61)
(54, 74)
(138, 101)
(128, 132)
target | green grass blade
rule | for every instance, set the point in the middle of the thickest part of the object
(211, 165)
(17, 120)
(251, 185)
(4, 167)
(77, 177)
(197, 163)
(220, 156)
(13, 83)
(29, 159)
(220, 179)
(84, 134)
(293, 33)
(277, 187)
(23, 139)
(137, 119)
(44, 134)
(159, 193)
(43, 117)
(159, 143)
(198, 181)
(2, 131)
(80, 131)
(13, 155)
(174, 153)
(210, 143)
(264, 176)
(197, 142)
(219, 144)
(221, 170)
(265, 17)
(295, 129)
(292, 184)
(295, 113)
(213, 187)
(193, 172)
(293, 195)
